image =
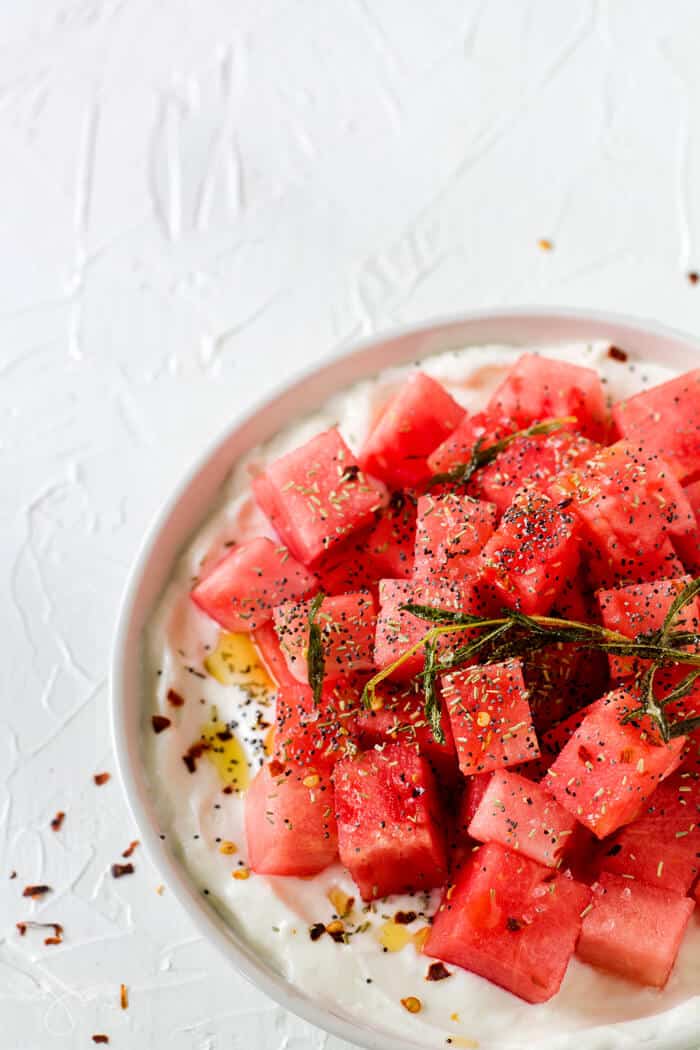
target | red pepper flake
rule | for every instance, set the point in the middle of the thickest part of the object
(124, 997)
(174, 699)
(228, 790)
(35, 891)
(159, 723)
(57, 821)
(405, 918)
(130, 848)
(13, 875)
(101, 778)
(437, 971)
(119, 870)
(55, 926)
(193, 753)
(100, 1038)
(617, 354)
(694, 277)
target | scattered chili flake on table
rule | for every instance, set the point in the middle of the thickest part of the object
(55, 926)
(119, 870)
(174, 699)
(412, 1004)
(101, 778)
(57, 821)
(130, 848)
(159, 723)
(35, 891)
(437, 971)
(100, 1038)
(124, 997)
(693, 277)
(617, 354)
(545, 244)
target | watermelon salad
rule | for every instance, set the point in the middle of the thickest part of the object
(472, 643)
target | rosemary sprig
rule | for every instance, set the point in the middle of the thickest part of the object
(315, 657)
(479, 457)
(521, 634)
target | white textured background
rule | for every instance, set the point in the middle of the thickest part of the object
(198, 197)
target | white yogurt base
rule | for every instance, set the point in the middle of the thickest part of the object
(274, 914)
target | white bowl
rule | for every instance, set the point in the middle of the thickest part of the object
(190, 504)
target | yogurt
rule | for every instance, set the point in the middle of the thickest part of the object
(206, 685)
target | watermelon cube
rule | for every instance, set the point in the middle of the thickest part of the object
(316, 495)
(398, 716)
(457, 448)
(664, 419)
(290, 822)
(640, 608)
(413, 423)
(524, 817)
(450, 531)
(398, 630)
(532, 553)
(390, 826)
(315, 736)
(662, 846)
(510, 920)
(347, 623)
(389, 544)
(634, 930)
(530, 462)
(608, 769)
(632, 512)
(241, 591)
(490, 716)
(538, 388)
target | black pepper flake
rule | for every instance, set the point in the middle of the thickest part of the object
(513, 925)
(317, 931)
(119, 870)
(437, 971)
(614, 850)
(405, 918)
(159, 723)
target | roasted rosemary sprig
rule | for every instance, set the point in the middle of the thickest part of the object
(316, 660)
(480, 457)
(516, 634)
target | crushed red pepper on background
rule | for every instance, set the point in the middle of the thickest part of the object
(101, 778)
(55, 926)
(693, 277)
(437, 971)
(174, 699)
(193, 753)
(35, 891)
(617, 354)
(124, 997)
(130, 848)
(119, 870)
(57, 821)
(100, 1038)
(159, 723)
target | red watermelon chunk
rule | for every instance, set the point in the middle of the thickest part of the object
(457, 448)
(242, 590)
(665, 419)
(317, 495)
(532, 554)
(398, 630)
(290, 822)
(608, 769)
(529, 462)
(414, 422)
(662, 846)
(490, 716)
(315, 736)
(390, 825)
(268, 645)
(347, 623)
(524, 817)
(634, 930)
(632, 512)
(510, 920)
(539, 388)
(389, 544)
(641, 608)
(398, 716)
(450, 531)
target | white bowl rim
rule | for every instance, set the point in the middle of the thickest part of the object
(618, 328)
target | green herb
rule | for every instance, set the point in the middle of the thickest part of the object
(516, 634)
(480, 457)
(315, 659)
